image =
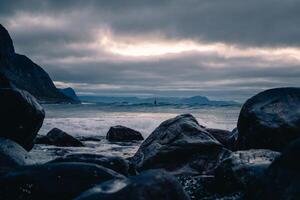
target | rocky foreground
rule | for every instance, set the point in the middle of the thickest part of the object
(180, 160)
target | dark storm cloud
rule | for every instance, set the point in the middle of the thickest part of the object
(257, 22)
(61, 36)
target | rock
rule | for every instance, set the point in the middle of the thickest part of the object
(13, 155)
(122, 133)
(227, 138)
(283, 175)
(115, 163)
(197, 187)
(243, 170)
(53, 181)
(27, 75)
(21, 116)
(69, 92)
(60, 138)
(42, 139)
(270, 119)
(6, 47)
(150, 185)
(181, 146)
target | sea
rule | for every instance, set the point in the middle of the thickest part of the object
(94, 120)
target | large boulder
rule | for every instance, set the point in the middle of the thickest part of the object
(53, 181)
(115, 163)
(59, 138)
(149, 185)
(21, 116)
(270, 119)
(243, 170)
(12, 155)
(283, 175)
(121, 133)
(181, 146)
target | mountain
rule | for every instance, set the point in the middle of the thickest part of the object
(70, 93)
(27, 75)
(196, 100)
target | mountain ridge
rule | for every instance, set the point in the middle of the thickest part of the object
(22, 72)
(194, 100)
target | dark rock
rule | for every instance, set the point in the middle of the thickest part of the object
(197, 187)
(4, 82)
(283, 175)
(181, 146)
(115, 163)
(42, 139)
(270, 119)
(243, 170)
(232, 196)
(53, 181)
(27, 75)
(70, 93)
(227, 138)
(21, 116)
(6, 43)
(60, 138)
(13, 155)
(150, 185)
(122, 133)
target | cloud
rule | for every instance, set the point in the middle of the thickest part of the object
(224, 49)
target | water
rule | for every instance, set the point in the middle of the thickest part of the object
(95, 120)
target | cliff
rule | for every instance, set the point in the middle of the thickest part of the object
(27, 75)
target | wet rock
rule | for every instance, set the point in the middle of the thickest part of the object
(122, 133)
(283, 175)
(150, 185)
(243, 170)
(12, 155)
(115, 163)
(270, 119)
(197, 187)
(59, 138)
(227, 138)
(53, 181)
(21, 116)
(181, 146)
(232, 196)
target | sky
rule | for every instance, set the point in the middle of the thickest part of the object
(221, 49)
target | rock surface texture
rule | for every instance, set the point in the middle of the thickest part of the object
(115, 163)
(181, 146)
(150, 185)
(270, 119)
(13, 155)
(283, 175)
(243, 170)
(21, 116)
(53, 181)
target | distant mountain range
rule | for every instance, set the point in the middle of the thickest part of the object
(195, 100)
(27, 75)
